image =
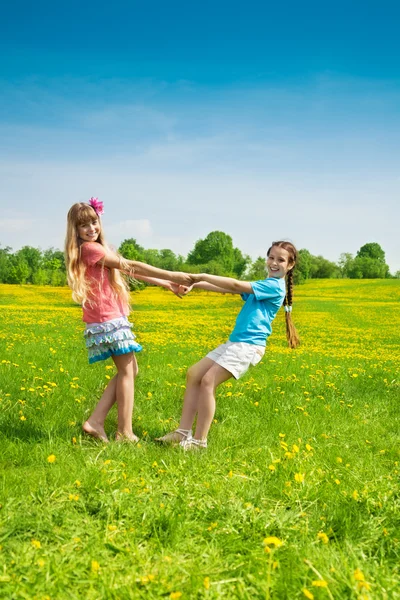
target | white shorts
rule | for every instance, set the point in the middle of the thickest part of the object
(236, 357)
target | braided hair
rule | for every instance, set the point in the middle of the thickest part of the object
(291, 332)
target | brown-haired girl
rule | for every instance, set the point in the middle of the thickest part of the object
(94, 276)
(246, 344)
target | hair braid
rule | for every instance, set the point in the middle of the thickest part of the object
(291, 332)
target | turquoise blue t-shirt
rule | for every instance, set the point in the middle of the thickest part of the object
(253, 324)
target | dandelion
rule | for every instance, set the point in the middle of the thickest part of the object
(41, 563)
(175, 595)
(299, 477)
(95, 566)
(355, 495)
(36, 544)
(308, 594)
(206, 583)
(272, 468)
(320, 583)
(51, 458)
(323, 537)
(272, 541)
(359, 575)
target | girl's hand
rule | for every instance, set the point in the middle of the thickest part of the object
(176, 288)
(185, 289)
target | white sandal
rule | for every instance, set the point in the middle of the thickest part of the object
(193, 444)
(185, 433)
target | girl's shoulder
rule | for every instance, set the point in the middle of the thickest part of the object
(92, 252)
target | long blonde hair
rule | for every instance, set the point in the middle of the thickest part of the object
(291, 332)
(80, 214)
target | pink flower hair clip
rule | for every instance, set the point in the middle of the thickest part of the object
(97, 205)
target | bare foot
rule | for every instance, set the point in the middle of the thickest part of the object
(173, 438)
(126, 437)
(95, 431)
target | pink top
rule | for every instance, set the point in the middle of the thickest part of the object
(104, 305)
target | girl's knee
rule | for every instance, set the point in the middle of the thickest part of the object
(207, 382)
(192, 375)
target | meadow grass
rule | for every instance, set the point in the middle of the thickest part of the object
(297, 495)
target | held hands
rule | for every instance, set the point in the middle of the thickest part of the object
(179, 290)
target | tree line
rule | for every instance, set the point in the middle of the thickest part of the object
(214, 254)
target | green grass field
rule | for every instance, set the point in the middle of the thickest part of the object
(297, 495)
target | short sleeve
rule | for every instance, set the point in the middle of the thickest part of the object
(91, 253)
(268, 289)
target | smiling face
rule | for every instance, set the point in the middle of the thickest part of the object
(89, 231)
(278, 262)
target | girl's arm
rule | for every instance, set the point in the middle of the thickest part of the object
(134, 267)
(225, 284)
(209, 287)
(168, 285)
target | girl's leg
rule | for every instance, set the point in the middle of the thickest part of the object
(194, 376)
(94, 426)
(127, 369)
(206, 399)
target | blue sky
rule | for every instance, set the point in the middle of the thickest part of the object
(260, 119)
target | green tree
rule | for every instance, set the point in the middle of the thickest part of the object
(345, 264)
(370, 263)
(217, 249)
(131, 250)
(19, 270)
(302, 270)
(5, 254)
(257, 270)
(372, 250)
(322, 268)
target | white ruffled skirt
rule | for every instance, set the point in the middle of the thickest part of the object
(110, 338)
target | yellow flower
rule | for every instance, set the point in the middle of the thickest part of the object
(74, 497)
(323, 537)
(309, 448)
(175, 595)
(112, 527)
(51, 458)
(359, 575)
(95, 566)
(36, 544)
(272, 468)
(272, 541)
(355, 495)
(41, 562)
(206, 583)
(299, 477)
(320, 583)
(308, 594)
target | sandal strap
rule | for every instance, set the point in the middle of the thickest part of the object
(187, 433)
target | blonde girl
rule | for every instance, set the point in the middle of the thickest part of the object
(94, 275)
(246, 344)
